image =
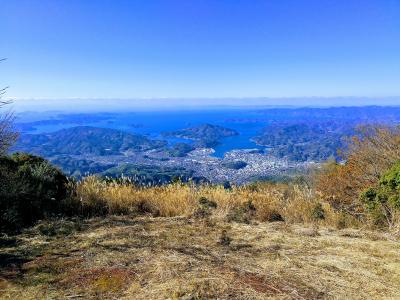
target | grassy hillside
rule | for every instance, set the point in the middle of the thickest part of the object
(180, 258)
(186, 241)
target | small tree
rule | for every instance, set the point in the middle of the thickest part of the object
(370, 154)
(383, 201)
(7, 134)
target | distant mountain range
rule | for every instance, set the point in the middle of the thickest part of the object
(118, 105)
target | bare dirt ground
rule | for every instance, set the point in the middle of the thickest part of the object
(181, 258)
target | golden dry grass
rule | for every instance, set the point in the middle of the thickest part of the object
(184, 242)
(294, 203)
(182, 258)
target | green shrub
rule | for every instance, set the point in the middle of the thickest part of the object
(30, 189)
(318, 212)
(383, 201)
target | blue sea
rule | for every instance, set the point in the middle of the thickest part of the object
(153, 123)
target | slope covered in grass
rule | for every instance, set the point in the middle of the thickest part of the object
(189, 258)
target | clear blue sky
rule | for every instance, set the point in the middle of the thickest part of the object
(193, 48)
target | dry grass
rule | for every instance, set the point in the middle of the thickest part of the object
(292, 203)
(183, 258)
(199, 242)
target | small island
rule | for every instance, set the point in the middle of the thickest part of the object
(205, 135)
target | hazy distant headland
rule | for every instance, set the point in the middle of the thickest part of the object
(98, 104)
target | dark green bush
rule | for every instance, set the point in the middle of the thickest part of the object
(30, 189)
(318, 212)
(383, 201)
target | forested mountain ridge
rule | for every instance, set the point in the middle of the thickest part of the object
(85, 140)
(311, 141)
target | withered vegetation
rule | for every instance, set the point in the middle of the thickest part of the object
(182, 258)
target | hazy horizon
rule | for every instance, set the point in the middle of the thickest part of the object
(97, 104)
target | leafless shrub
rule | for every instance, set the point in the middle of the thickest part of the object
(8, 135)
(370, 153)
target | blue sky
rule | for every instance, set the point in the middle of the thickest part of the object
(193, 48)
